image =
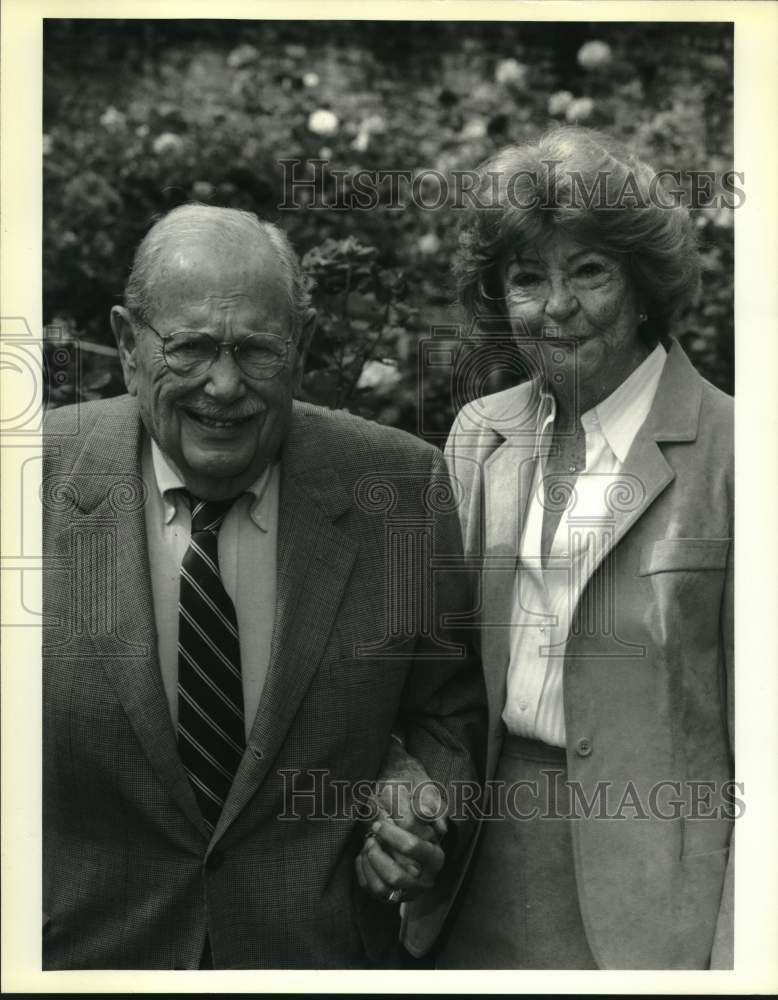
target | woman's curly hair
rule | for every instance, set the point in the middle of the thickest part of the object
(591, 187)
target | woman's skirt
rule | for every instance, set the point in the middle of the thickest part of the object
(518, 908)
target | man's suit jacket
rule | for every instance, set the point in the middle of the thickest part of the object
(131, 878)
(648, 681)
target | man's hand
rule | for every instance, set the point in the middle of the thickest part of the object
(401, 856)
(396, 865)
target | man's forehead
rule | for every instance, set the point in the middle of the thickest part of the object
(203, 279)
(209, 254)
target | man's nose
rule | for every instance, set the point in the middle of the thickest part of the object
(561, 301)
(225, 379)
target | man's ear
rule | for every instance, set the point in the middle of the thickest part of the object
(306, 335)
(127, 343)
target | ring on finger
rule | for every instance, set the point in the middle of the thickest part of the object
(395, 896)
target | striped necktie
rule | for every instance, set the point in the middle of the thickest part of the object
(211, 733)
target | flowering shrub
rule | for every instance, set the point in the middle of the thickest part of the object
(363, 327)
(206, 110)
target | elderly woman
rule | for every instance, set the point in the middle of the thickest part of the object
(597, 502)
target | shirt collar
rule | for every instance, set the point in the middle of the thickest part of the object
(623, 413)
(544, 421)
(620, 415)
(169, 484)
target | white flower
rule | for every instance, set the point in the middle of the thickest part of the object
(311, 79)
(446, 162)
(142, 131)
(723, 218)
(511, 71)
(559, 102)
(168, 142)
(323, 122)
(47, 144)
(580, 109)
(241, 56)
(362, 141)
(474, 129)
(374, 124)
(325, 153)
(112, 119)
(484, 93)
(378, 375)
(429, 243)
(202, 190)
(593, 55)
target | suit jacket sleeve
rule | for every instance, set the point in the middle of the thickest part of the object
(443, 714)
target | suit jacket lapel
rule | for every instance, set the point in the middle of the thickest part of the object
(114, 609)
(315, 559)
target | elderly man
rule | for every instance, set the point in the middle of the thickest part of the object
(224, 668)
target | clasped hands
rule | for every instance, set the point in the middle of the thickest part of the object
(401, 855)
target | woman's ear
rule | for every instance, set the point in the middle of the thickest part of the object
(127, 343)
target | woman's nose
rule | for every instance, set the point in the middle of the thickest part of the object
(561, 301)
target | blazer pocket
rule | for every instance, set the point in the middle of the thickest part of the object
(669, 555)
(705, 837)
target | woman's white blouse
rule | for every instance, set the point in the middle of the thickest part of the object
(545, 598)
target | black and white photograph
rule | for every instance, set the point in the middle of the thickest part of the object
(370, 499)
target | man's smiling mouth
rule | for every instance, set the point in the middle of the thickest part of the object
(221, 422)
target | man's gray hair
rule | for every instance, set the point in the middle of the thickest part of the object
(225, 226)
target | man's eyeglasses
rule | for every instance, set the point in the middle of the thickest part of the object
(191, 354)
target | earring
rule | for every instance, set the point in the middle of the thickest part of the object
(643, 317)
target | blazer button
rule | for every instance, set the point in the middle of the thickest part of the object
(583, 747)
(214, 861)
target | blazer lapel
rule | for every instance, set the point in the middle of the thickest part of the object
(315, 560)
(674, 416)
(507, 480)
(113, 609)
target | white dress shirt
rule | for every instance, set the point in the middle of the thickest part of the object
(545, 598)
(247, 562)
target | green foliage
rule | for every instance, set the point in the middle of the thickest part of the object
(362, 327)
(142, 116)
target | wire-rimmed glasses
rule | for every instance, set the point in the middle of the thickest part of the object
(191, 353)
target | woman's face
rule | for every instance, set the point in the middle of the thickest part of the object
(580, 306)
